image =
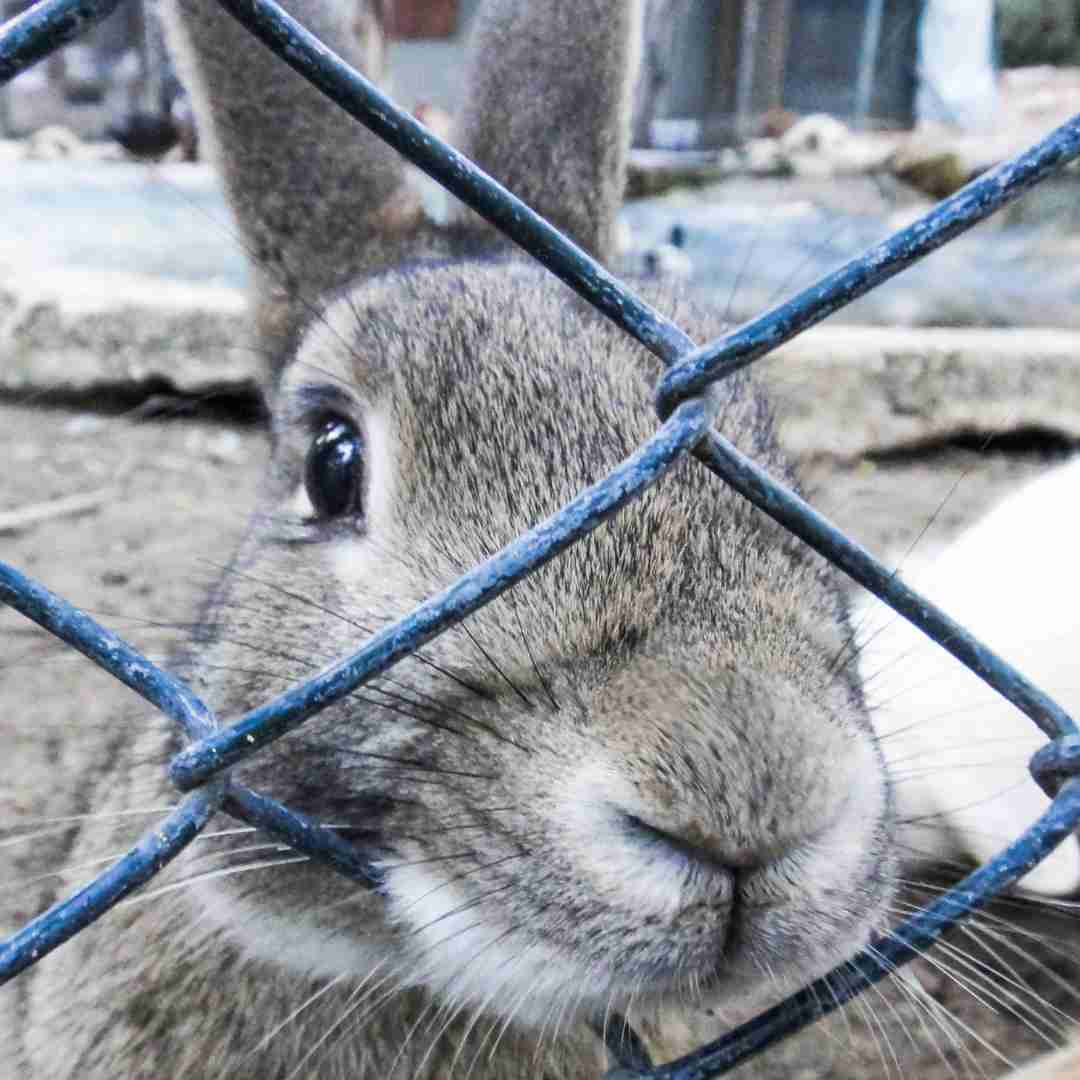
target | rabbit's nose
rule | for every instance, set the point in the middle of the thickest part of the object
(696, 783)
(744, 813)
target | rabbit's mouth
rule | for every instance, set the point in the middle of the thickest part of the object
(736, 941)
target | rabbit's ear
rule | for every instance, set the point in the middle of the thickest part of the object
(318, 199)
(547, 103)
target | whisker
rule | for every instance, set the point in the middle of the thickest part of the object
(479, 1009)
(508, 1020)
(927, 525)
(419, 656)
(435, 704)
(930, 958)
(885, 1031)
(375, 687)
(498, 670)
(356, 1001)
(1004, 972)
(925, 1006)
(411, 763)
(269, 1037)
(545, 685)
(63, 871)
(209, 875)
(452, 880)
(874, 1028)
(427, 1018)
(744, 266)
(102, 815)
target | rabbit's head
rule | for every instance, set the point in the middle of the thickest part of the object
(635, 777)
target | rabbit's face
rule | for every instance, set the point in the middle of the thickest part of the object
(634, 776)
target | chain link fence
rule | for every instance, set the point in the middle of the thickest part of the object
(686, 413)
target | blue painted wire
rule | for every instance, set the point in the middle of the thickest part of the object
(155, 849)
(108, 651)
(43, 28)
(302, 833)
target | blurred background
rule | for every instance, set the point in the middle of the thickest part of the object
(714, 71)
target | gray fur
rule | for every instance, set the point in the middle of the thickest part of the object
(664, 800)
(574, 172)
(317, 198)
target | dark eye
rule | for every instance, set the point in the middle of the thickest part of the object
(334, 470)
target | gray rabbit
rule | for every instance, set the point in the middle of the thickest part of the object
(637, 783)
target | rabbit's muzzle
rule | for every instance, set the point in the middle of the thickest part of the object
(680, 826)
(673, 829)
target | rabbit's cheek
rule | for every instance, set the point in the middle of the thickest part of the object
(299, 940)
(807, 912)
(463, 948)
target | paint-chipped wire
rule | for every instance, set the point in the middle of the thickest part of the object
(43, 28)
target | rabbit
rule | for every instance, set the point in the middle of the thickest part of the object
(956, 752)
(960, 773)
(634, 784)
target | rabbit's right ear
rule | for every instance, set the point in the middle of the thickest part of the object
(547, 104)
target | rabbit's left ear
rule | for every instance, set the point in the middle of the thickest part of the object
(957, 752)
(318, 200)
(547, 107)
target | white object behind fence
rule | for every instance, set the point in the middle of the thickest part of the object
(957, 72)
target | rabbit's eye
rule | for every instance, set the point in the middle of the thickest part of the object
(334, 470)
